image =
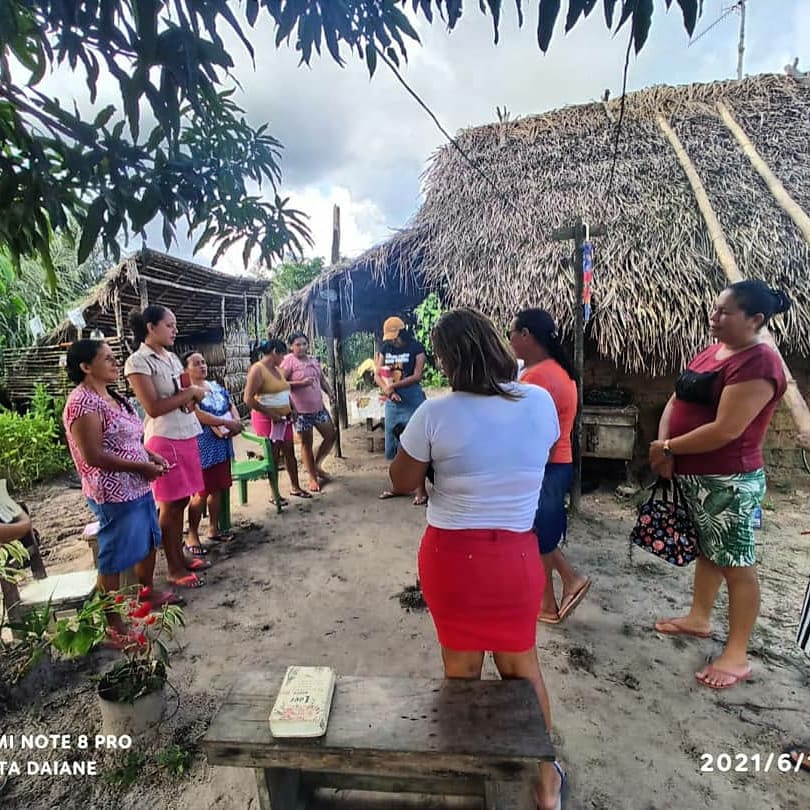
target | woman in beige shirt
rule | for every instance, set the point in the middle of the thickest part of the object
(170, 430)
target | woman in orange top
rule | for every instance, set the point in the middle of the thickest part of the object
(534, 340)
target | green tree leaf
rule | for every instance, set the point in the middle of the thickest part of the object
(546, 17)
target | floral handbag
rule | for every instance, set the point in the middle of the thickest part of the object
(664, 527)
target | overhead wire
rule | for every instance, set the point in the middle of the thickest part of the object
(489, 181)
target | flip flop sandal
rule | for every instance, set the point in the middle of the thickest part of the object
(300, 493)
(197, 564)
(190, 581)
(546, 619)
(420, 501)
(563, 786)
(566, 608)
(386, 494)
(195, 551)
(679, 629)
(224, 537)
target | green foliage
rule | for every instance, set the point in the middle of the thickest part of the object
(145, 653)
(175, 759)
(126, 775)
(31, 445)
(289, 277)
(28, 294)
(201, 160)
(427, 313)
(12, 556)
(358, 347)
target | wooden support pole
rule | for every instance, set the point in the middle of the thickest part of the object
(779, 192)
(579, 233)
(333, 332)
(143, 293)
(119, 317)
(793, 397)
(334, 302)
(187, 287)
(222, 316)
(721, 246)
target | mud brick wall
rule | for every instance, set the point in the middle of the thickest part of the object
(650, 394)
(782, 454)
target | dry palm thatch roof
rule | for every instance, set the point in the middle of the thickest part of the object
(198, 295)
(656, 272)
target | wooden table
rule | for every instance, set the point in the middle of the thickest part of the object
(414, 735)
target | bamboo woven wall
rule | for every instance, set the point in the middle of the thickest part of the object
(45, 364)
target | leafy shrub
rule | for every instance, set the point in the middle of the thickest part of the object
(32, 446)
(427, 313)
(358, 347)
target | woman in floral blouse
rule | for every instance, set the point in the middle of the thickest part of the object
(105, 436)
(220, 422)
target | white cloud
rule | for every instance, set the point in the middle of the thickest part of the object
(362, 223)
(364, 143)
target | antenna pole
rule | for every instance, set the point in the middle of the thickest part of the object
(741, 45)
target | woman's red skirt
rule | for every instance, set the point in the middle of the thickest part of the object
(217, 478)
(483, 587)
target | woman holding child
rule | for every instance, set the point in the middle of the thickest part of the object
(267, 394)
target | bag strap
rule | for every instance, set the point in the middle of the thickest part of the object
(659, 484)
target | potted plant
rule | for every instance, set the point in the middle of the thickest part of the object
(131, 691)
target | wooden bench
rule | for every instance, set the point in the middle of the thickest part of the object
(397, 735)
(62, 592)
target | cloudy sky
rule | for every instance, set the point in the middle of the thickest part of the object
(363, 144)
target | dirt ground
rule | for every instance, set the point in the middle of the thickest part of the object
(317, 584)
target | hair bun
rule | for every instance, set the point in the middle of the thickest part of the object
(781, 300)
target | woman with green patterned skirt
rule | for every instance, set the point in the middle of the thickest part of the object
(710, 436)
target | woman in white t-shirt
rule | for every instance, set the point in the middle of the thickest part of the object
(479, 564)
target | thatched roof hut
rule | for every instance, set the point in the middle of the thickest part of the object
(217, 313)
(656, 272)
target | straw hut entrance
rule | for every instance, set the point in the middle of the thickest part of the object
(655, 274)
(217, 314)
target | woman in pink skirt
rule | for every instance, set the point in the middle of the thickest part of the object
(479, 564)
(170, 430)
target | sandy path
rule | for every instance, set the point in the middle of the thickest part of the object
(314, 585)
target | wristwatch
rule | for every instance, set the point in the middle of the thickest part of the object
(667, 449)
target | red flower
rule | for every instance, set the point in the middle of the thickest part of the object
(140, 638)
(150, 619)
(144, 592)
(118, 598)
(143, 610)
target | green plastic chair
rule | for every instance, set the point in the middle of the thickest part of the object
(252, 470)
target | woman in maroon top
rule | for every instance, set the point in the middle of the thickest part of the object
(710, 436)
